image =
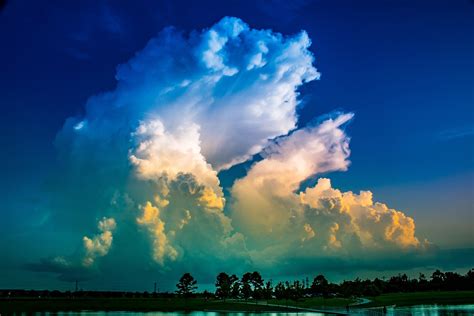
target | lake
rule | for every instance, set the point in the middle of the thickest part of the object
(433, 310)
(418, 310)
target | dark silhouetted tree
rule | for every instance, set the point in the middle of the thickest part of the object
(224, 284)
(320, 285)
(186, 285)
(235, 290)
(437, 280)
(268, 290)
(280, 291)
(470, 278)
(246, 289)
(422, 282)
(257, 285)
(453, 281)
(297, 289)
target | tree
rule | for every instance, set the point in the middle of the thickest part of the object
(224, 285)
(297, 290)
(257, 283)
(280, 291)
(437, 280)
(288, 291)
(268, 290)
(235, 291)
(246, 289)
(186, 285)
(453, 281)
(470, 278)
(320, 285)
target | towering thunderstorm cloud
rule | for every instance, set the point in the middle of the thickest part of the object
(146, 157)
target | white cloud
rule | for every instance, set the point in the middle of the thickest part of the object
(280, 222)
(264, 200)
(237, 84)
(159, 152)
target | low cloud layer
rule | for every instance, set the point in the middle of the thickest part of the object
(147, 158)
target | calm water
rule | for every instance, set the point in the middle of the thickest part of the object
(433, 310)
(86, 313)
(418, 310)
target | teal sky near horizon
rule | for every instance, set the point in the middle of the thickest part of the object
(134, 149)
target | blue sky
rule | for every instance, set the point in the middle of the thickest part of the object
(403, 68)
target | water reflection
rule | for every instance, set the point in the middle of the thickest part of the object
(433, 310)
(418, 310)
(197, 313)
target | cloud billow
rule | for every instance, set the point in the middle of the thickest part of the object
(147, 156)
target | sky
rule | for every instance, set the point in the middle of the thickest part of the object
(144, 140)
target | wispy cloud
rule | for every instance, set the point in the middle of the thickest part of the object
(110, 21)
(77, 53)
(454, 133)
(99, 19)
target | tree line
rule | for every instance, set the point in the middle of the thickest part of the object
(252, 285)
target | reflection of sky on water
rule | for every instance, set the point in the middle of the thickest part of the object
(196, 313)
(433, 310)
(418, 310)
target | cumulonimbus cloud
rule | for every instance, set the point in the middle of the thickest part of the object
(190, 105)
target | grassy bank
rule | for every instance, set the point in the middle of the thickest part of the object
(418, 298)
(128, 304)
(314, 302)
(199, 304)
